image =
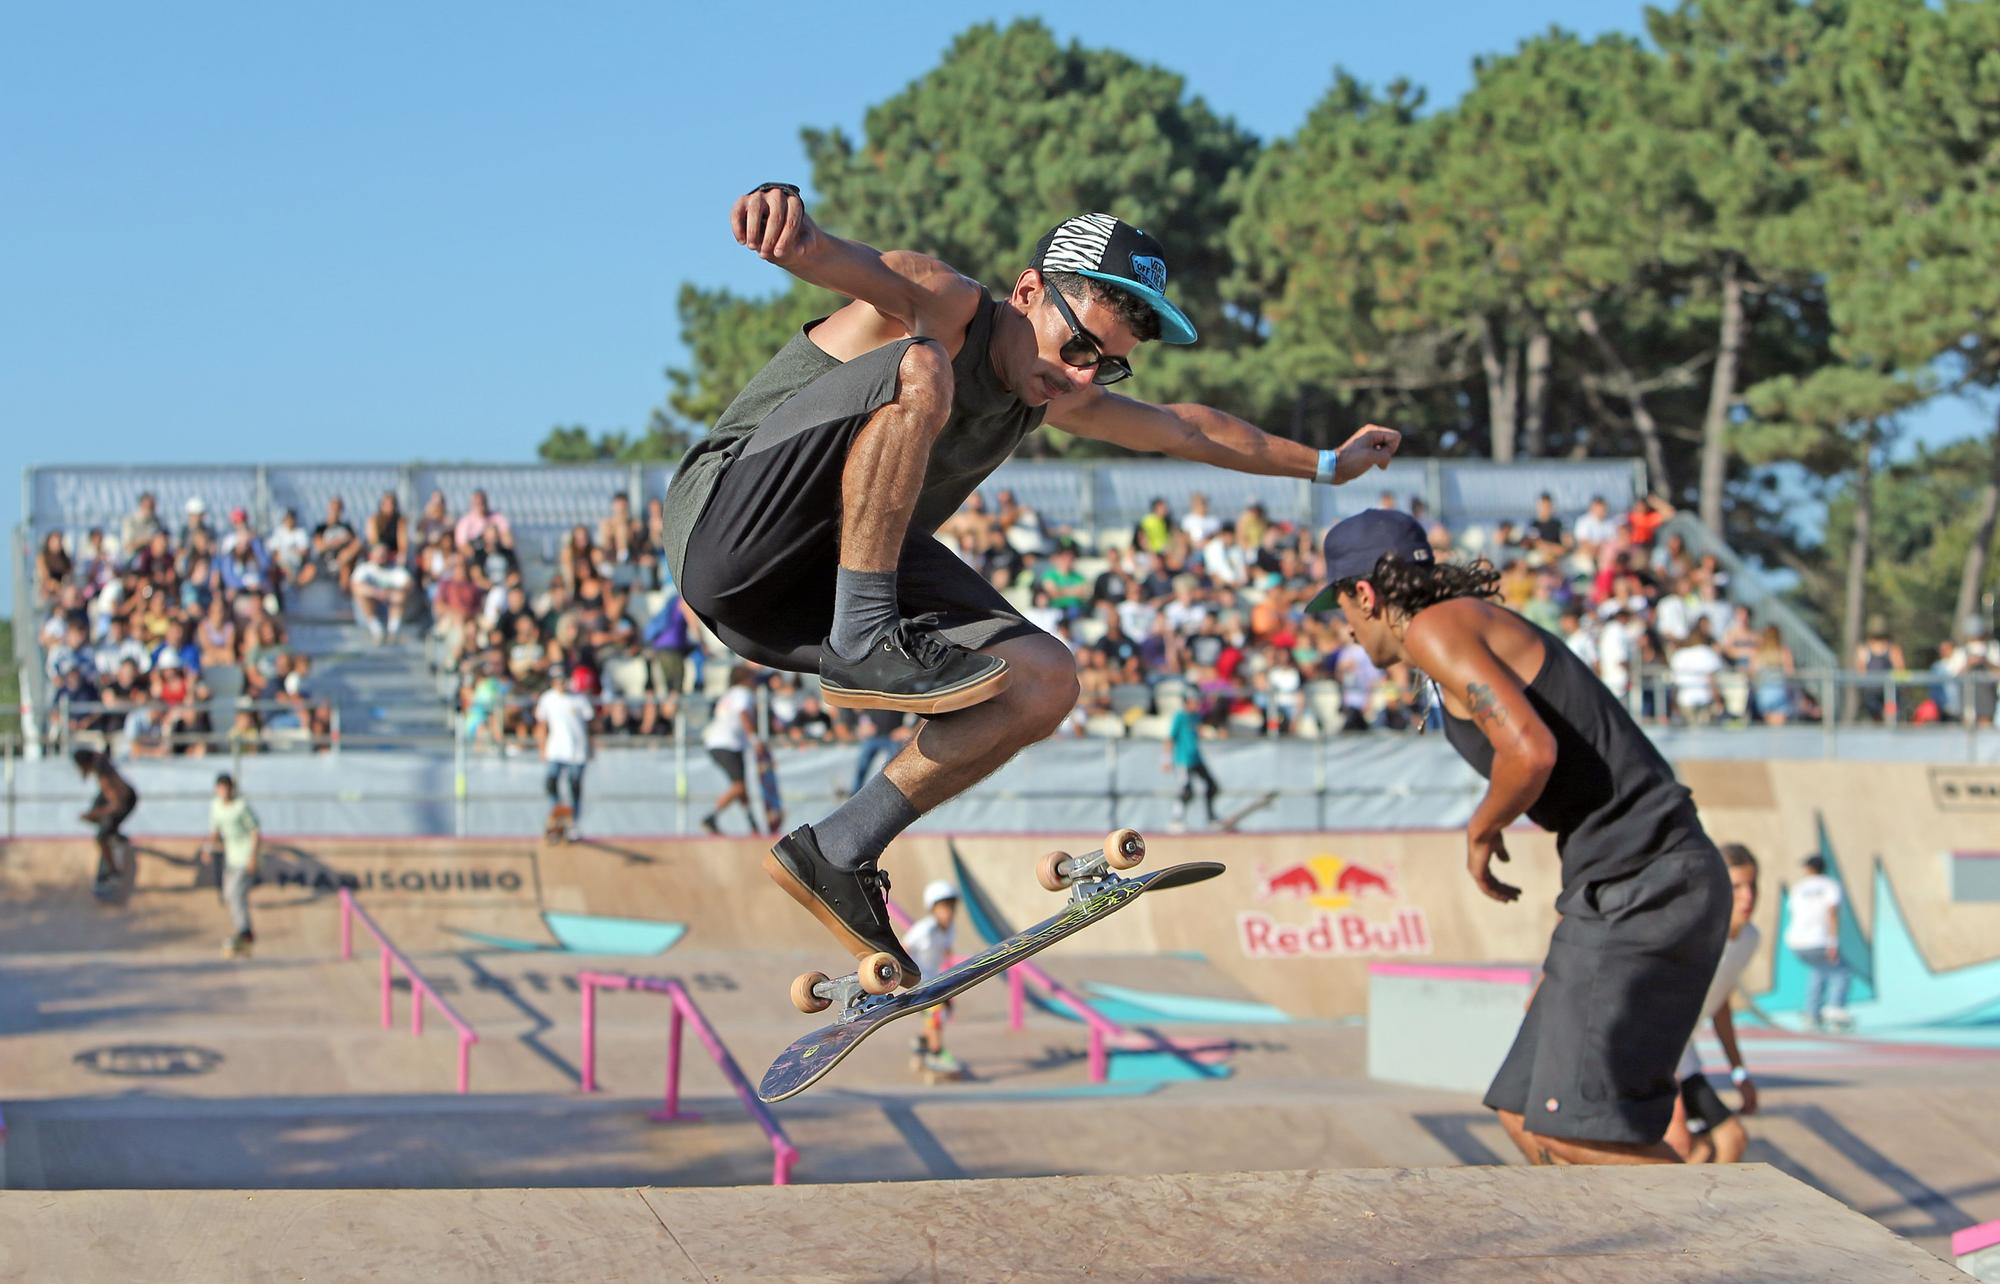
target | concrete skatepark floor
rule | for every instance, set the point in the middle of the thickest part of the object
(137, 1058)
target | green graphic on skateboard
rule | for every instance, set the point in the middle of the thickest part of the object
(863, 1007)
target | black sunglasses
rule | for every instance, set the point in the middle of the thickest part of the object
(1084, 351)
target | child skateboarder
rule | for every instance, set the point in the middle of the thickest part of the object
(929, 943)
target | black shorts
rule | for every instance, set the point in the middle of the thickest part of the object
(1705, 1109)
(108, 827)
(1622, 989)
(731, 763)
(760, 561)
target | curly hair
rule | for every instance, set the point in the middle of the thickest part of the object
(1409, 587)
(1139, 318)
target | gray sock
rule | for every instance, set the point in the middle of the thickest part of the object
(864, 608)
(865, 824)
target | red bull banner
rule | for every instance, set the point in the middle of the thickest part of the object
(1350, 909)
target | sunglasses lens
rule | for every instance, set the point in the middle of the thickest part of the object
(1079, 353)
(1111, 370)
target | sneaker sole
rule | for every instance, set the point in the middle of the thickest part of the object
(799, 892)
(964, 696)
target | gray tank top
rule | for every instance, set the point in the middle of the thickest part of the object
(986, 423)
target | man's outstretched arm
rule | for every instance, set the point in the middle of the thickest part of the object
(1210, 436)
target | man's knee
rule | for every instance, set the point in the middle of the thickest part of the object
(1043, 683)
(924, 382)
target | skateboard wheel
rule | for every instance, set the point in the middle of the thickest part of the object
(803, 997)
(879, 974)
(1049, 871)
(1123, 848)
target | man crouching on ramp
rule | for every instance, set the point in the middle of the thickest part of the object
(1645, 899)
(800, 529)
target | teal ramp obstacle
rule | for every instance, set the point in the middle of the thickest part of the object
(591, 934)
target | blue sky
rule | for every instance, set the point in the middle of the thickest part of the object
(355, 232)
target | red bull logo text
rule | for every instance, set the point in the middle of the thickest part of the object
(1336, 888)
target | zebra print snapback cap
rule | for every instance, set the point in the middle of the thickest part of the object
(1111, 250)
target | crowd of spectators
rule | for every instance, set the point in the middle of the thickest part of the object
(1206, 611)
(606, 625)
(1194, 610)
(134, 624)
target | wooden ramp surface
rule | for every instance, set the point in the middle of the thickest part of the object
(1744, 1223)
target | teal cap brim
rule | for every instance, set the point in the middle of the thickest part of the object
(1174, 324)
(1324, 600)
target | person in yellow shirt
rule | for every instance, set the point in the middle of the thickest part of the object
(233, 827)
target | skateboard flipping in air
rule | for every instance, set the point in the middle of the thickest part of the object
(865, 1001)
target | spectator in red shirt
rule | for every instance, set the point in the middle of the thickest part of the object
(1648, 514)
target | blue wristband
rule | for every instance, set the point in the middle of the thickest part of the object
(1329, 461)
(1738, 1075)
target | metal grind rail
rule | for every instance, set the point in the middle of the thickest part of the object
(1103, 1030)
(683, 1011)
(420, 988)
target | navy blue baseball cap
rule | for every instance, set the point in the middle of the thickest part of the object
(1111, 250)
(1357, 543)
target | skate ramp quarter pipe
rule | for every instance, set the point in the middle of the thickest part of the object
(1651, 1224)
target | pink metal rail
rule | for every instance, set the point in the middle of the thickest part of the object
(420, 989)
(1102, 1028)
(682, 1011)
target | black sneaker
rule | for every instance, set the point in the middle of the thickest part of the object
(911, 669)
(849, 902)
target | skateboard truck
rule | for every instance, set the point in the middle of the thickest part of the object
(1087, 875)
(877, 975)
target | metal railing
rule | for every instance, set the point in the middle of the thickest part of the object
(683, 1010)
(66, 729)
(1104, 1032)
(420, 988)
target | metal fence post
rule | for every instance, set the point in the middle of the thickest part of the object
(681, 770)
(459, 768)
(1111, 781)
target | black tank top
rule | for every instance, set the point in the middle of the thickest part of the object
(1612, 801)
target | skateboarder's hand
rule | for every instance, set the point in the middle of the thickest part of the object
(1748, 1089)
(1481, 850)
(775, 224)
(1373, 447)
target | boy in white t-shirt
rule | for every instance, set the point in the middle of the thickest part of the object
(731, 740)
(1704, 1130)
(929, 944)
(562, 729)
(1814, 935)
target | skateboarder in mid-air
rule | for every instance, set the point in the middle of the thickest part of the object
(1183, 754)
(799, 530)
(114, 803)
(1645, 899)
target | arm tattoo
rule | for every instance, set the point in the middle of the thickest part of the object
(1485, 710)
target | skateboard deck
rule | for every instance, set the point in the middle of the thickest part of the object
(556, 828)
(1228, 824)
(767, 787)
(811, 1056)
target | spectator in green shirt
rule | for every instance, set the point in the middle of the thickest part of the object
(1068, 588)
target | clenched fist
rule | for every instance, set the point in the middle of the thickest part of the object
(1372, 447)
(775, 224)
